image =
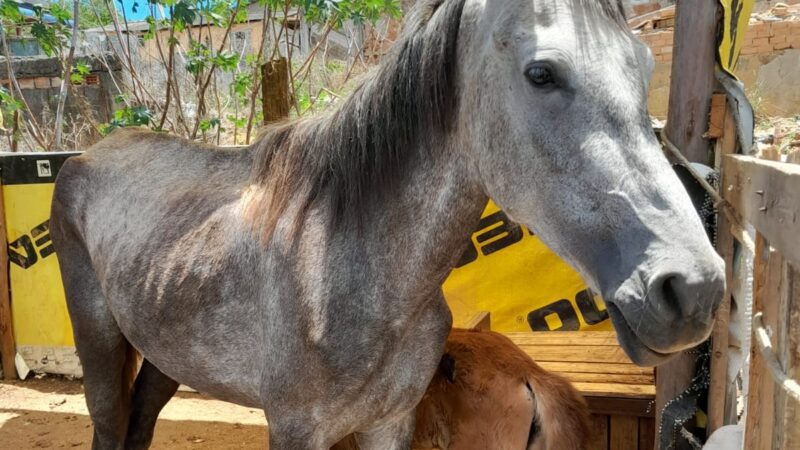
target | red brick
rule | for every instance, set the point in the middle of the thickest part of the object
(25, 83)
(749, 50)
(764, 48)
(781, 45)
(779, 25)
(760, 41)
(41, 82)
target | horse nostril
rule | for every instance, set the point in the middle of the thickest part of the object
(669, 290)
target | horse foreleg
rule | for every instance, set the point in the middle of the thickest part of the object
(397, 435)
(151, 392)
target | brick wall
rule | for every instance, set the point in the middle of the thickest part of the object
(761, 37)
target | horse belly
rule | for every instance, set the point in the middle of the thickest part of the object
(212, 351)
(191, 308)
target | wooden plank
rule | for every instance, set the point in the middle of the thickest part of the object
(480, 321)
(575, 353)
(616, 390)
(787, 348)
(560, 338)
(624, 433)
(7, 345)
(638, 407)
(760, 397)
(606, 368)
(767, 194)
(718, 389)
(598, 433)
(607, 378)
(692, 77)
(717, 116)
(647, 433)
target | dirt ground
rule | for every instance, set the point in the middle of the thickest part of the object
(51, 413)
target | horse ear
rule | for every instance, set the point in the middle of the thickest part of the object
(447, 366)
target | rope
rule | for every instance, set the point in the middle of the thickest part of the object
(737, 229)
(765, 345)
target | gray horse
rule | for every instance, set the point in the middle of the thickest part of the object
(302, 275)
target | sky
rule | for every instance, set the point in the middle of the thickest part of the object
(142, 8)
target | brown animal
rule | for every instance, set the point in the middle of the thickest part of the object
(489, 395)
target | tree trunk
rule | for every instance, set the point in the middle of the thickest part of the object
(65, 77)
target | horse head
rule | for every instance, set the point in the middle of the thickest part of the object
(552, 102)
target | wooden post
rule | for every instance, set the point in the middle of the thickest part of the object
(691, 86)
(692, 77)
(275, 90)
(8, 349)
(718, 390)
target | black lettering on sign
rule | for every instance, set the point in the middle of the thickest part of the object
(41, 233)
(511, 232)
(562, 308)
(28, 257)
(23, 251)
(499, 225)
(592, 315)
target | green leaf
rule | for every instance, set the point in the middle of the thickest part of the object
(10, 12)
(62, 15)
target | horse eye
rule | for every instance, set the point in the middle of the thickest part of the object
(540, 76)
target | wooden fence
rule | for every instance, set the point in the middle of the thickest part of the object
(765, 197)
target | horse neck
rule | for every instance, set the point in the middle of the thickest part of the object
(426, 220)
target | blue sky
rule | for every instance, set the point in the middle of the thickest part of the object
(142, 8)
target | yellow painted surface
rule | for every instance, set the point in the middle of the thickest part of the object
(736, 19)
(510, 283)
(38, 307)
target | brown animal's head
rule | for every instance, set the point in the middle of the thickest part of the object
(488, 394)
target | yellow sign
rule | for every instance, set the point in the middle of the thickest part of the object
(510, 273)
(38, 306)
(736, 19)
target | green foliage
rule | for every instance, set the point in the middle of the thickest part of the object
(79, 72)
(242, 83)
(208, 124)
(8, 105)
(52, 36)
(197, 58)
(339, 11)
(128, 116)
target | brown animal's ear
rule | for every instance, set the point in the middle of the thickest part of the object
(447, 366)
